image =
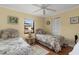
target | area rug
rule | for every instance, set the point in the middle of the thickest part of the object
(38, 50)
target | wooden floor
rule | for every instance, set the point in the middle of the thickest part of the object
(64, 51)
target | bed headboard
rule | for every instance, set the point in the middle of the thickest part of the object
(40, 31)
(9, 33)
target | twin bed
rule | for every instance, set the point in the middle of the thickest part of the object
(12, 44)
(54, 42)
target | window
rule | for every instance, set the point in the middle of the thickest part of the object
(28, 23)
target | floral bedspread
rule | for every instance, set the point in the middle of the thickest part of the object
(49, 39)
(15, 46)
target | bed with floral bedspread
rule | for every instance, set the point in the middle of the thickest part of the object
(51, 41)
(12, 44)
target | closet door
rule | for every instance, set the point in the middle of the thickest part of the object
(56, 26)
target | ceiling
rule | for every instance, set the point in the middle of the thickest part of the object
(29, 8)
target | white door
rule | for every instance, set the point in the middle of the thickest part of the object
(56, 26)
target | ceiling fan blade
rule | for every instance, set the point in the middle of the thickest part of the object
(51, 9)
(37, 10)
(36, 5)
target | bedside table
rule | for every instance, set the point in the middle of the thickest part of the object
(30, 40)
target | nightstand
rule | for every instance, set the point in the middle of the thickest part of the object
(30, 40)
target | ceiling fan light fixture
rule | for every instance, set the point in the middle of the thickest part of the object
(45, 8)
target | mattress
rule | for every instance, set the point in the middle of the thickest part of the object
(50, 41)
(15, 46)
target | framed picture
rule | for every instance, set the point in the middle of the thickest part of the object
(74, 20)
(12, 20)
(28, 23)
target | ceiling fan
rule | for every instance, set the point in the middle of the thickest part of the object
(43, 7)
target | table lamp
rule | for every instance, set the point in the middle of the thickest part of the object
(30, 30)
